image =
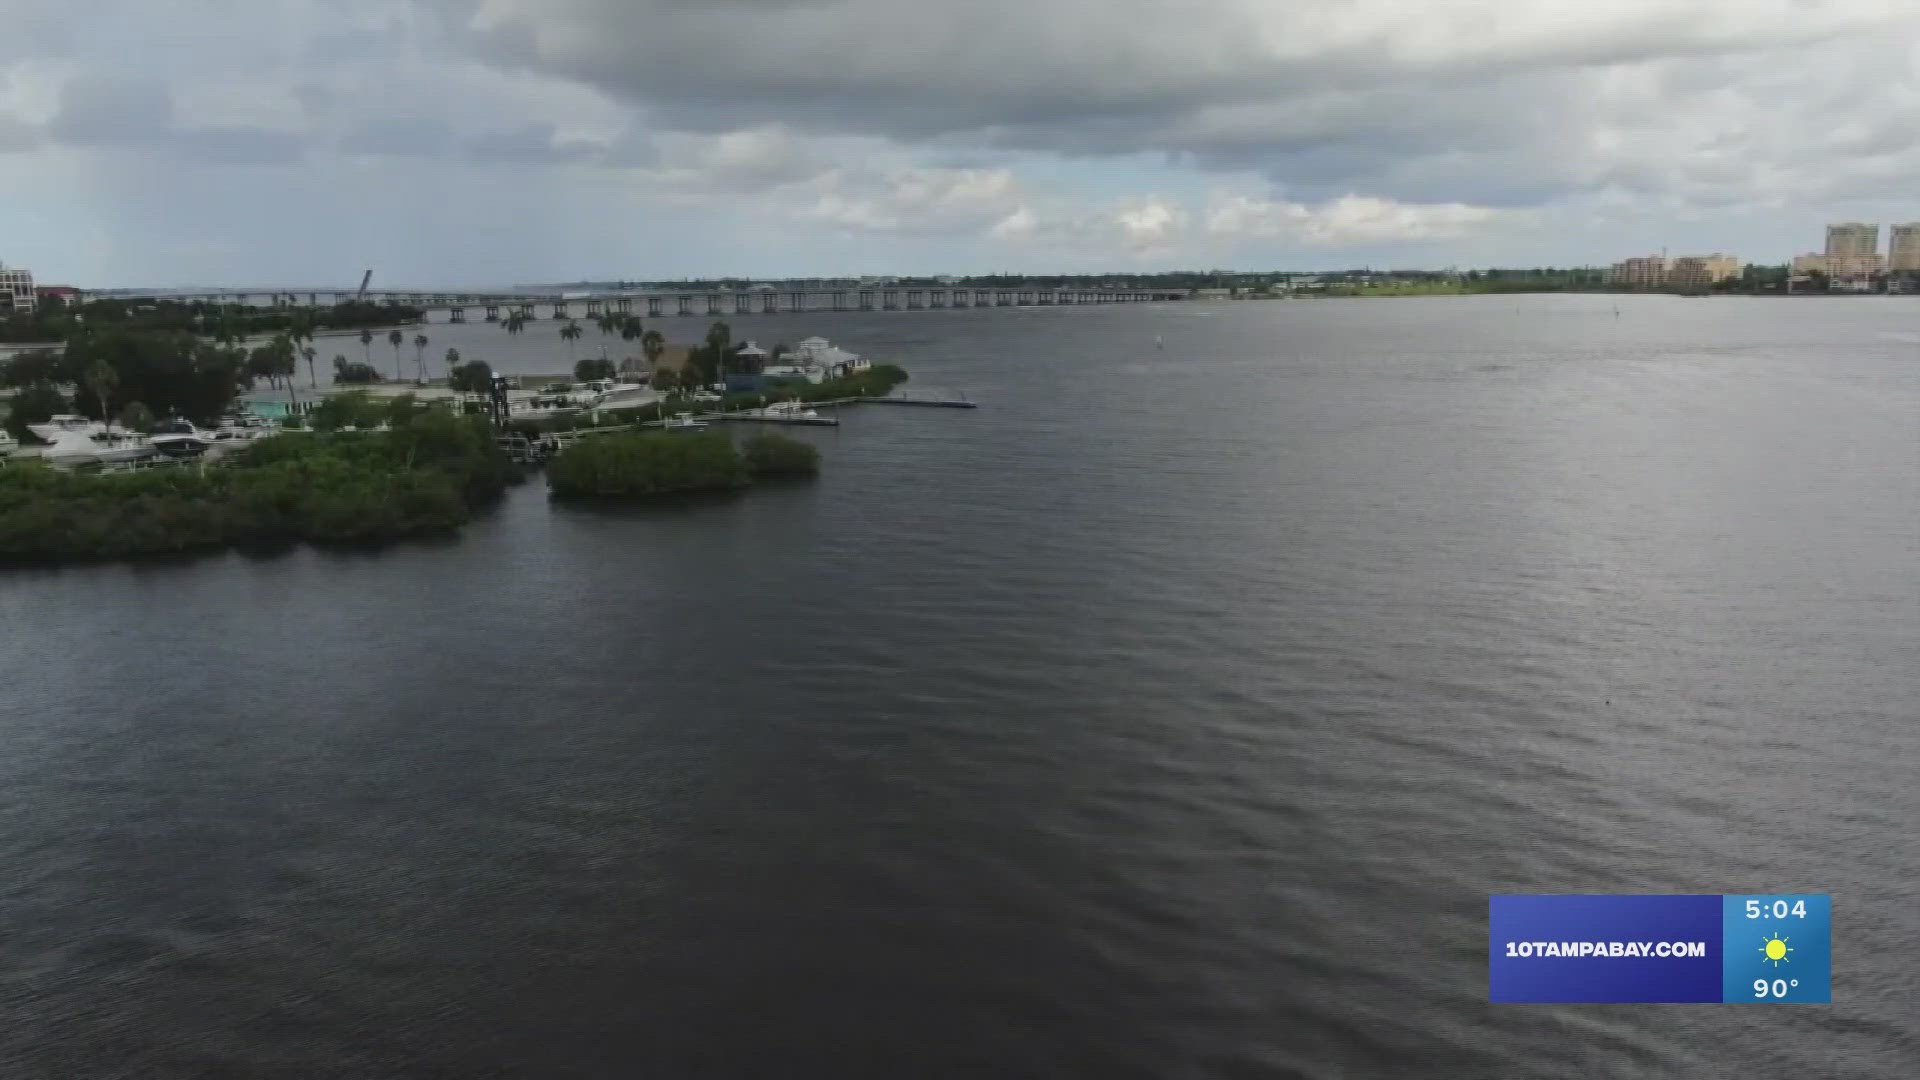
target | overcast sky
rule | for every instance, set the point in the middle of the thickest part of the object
(482, 142)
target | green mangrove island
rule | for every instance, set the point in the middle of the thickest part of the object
(425, 475)
(631, 464)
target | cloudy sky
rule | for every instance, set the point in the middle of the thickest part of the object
(479, 142)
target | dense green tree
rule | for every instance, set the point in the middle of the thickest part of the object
(39, 366)
(173, 372)
(135, 416)
(353, 374)
(654, 345)
(595, 367)
(34, 403)
(646, 463)
(352, 410)
(665, 379)
(472, 377)
(778, 455)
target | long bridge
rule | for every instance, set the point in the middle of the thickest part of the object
(654, 304)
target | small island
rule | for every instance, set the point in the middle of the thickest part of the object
(425, 474)
(133, 439)
(636, 464)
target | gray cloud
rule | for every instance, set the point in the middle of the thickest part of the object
(1091, 130)
(1324, 96)
(129, 111)
(410, 135)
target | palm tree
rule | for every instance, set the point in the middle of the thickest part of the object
(514, 323)
(101, 381)
(366, 343)
(453, 361)
(420, 355)
(283, 364)
(312, 379)
(653, 344)
(570, 333)
(607, 321)
(394, 338)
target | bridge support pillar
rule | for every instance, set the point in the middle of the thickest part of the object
(560, 309)
(458, 314)
(493, 312)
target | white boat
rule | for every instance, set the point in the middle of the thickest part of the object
(117, 446)
(65, 424)
(179, 438)
(682, 423)
(791, 409)
(794, 412)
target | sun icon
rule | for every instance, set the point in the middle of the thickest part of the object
(1776, 950)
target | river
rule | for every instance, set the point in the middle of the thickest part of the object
(1173, 714)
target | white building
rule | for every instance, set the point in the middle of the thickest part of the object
(16, 291)
(820, 354)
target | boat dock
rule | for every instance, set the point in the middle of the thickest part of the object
(754, 417)
(537, 449)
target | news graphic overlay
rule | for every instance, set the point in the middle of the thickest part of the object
(1772, 948)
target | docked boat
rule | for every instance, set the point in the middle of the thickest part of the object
(179, 438)
(62, 424)
(794, 412)
(682, 423)
(111, 447)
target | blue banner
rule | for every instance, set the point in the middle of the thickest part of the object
(1705, 948)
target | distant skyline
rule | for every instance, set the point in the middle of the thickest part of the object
(484, 142)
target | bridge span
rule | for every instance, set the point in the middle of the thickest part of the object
(494, 306)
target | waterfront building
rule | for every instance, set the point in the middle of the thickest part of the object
(1644, 272)
(16, 291)
(1853, 239)
(1702, 271)
(1903, 247)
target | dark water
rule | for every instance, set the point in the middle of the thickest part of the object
(1172, 715)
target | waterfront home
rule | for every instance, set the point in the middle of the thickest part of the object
(822, 356)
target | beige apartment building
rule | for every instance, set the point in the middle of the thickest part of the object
(1645, 272)
(1702, 271)
(16, 291)
(1853, 238)
(1903, 246)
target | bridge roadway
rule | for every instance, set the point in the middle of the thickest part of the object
(493, 306)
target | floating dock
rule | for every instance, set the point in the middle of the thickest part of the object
(932, 403)
(761, 418)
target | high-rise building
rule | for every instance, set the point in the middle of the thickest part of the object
(1903, 246)
(1644, 272)
(1702, 271)
(1853, 239)
(16, 291)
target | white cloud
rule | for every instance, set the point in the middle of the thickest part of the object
(1350, 219)
(1151, 225)
(1024, 134)
(917, 200)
